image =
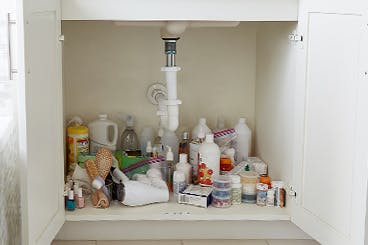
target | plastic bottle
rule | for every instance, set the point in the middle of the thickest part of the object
(170, 139)
(178, 183)
(201, 127)
(243, 142)
(99, 134)
(158, 143)
(170, 168)
(193, 155)
(129, 138)
(149, 149)
(208, 161)
(147, 134)
(80, 199)
(185, 167)
(184, 144)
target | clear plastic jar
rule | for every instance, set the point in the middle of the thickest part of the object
(236, 193)
(262, 194)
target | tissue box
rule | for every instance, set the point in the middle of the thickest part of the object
(196, 195)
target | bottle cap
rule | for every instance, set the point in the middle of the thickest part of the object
(209, 138)
(102, 116)
(242, 120)
(169, 154)
(71, 195)
(178, 176)
(183, 158)
(80, 192)
(130, 121)
(149, 146)
(202, 120)
(185, 135)
(247, 168)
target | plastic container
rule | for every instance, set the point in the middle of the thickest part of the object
(200, 127)
(262, 194)
(185, 167)
(243, 141)
(193, 155)
(184, 144)
(220, 202)
(249, 177)
(236, 193)
(179, 184)
(100, 131)
(147, 134)
(129, 138)
(223, 193)
(221, 181)
(249, 194)
(280, 193)
(78, 142)
(208, 161)
(270, 202)
(226, 164)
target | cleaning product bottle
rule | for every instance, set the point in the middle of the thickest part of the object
(208, 161)
(170, 168)
(178, 183)
(193, 154)
(170, 139)
(243, 141)
(185, 167)
(129, 139)
(201, 126)
(100, 135)
(184, 144)
(158, 143)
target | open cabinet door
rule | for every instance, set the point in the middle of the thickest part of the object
(40, 120)
(332, 134)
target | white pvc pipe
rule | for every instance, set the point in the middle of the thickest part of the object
(172, 101)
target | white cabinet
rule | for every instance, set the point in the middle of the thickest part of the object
(309, 114)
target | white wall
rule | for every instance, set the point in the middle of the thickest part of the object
(109, 68)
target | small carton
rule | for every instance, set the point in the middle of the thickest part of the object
(196, 195)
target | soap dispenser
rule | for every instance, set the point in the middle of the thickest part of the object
(129, 138)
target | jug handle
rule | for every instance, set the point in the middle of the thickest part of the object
(115, 136)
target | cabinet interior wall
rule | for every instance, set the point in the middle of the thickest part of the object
(230, 72)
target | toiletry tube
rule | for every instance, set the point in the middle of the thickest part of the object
(137, 194)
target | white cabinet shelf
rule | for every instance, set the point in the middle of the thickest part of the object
(172, 211)
(210, 10)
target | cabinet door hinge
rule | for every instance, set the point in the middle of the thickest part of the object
(61, 38)
(296, 37)
(291, 191)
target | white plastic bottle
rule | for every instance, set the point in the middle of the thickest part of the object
(178, 183)
(170, 139)
(208, 161)
(193, 155)
(185, 167)
(200, 127)
(243, 142)
(147, 134)
(99, 133)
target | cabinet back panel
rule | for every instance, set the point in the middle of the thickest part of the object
(108, 68)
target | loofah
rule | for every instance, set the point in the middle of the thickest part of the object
(103, 162)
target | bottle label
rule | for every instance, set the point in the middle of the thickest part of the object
(205, 170)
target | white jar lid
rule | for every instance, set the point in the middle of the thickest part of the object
(235, 179)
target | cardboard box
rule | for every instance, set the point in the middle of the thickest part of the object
(196, 195)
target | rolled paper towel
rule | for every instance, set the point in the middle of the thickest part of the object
(137, 194)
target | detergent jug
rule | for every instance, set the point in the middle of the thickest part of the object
(103, 133)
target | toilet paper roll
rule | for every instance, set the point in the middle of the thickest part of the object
(137, 194)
